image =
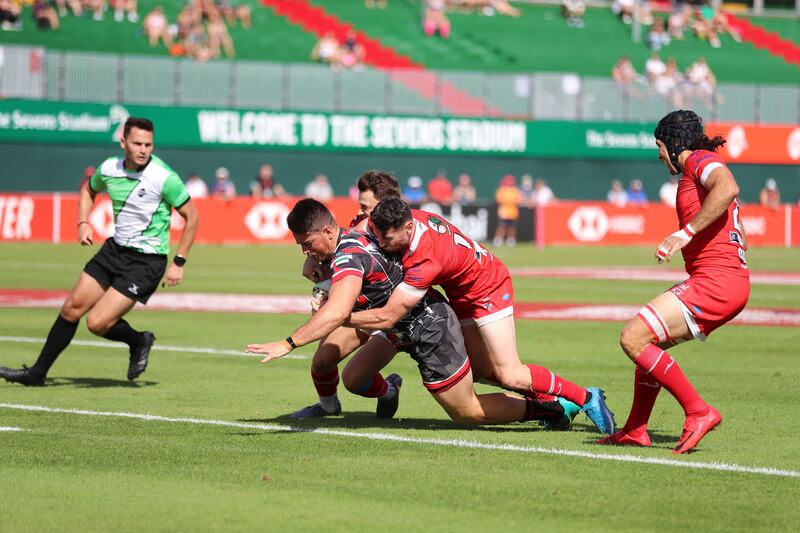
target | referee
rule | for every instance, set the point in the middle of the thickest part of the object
(129, 266)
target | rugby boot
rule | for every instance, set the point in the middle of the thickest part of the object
(598, 412)
(571, 410)
(316, 411)
(625, 438)
(387, 408)
(140, 355)
(24, 376)
(695, 428)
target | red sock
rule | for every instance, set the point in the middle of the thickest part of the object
(664, 369)
(645, 392)
(374, 388)
(544, 381)
(326, 383)
(538, 396)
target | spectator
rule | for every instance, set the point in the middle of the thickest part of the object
(74, 5)
(542, 194)
(702, 81)
(654, 68)
(624, 9)
(669, 83)
(97, 7)
(320, 189)
(720, 25)
(526, 190)
(503, 7)
(232, 13)
(156, 27)
(679, 20)
(770, 196)
(326, 50)
(623, 72)
(617, 194)
(658, 37)
(669, 191)
(219, 39)
(414, 193)
(508, 200)
(352, 52)
(88, 172)
(704, 26)
(45, 16)
(196, 187)
(10, 12)
(264, 184)
(125, 6)
(380, 4)
(573, 11)
(440, 190)
(224, 188)
(465, 192)
(636, 194)
(435, 19)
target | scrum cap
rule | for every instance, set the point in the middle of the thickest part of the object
(678, 130)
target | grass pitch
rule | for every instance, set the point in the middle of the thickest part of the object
(67, 471)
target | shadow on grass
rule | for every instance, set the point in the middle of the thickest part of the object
(97, 383)
(367, 420)
(660, 441)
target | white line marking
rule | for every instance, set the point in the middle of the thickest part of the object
(156, 347)
(8, 428)
(457, 443)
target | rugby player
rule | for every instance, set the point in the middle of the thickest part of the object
(364, 276)
(373, 185)
(130, 265)
(713, 243)
(479, 288)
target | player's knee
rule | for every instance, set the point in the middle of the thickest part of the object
(324, 361)
(71, 310)
(98, 326)
(516, 378)
(354, 380)
(467, 415)
(631, 340)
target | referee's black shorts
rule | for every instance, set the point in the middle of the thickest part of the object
(132, 273)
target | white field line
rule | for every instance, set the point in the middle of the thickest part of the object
(8, 428)
(456, 443)
(156, 347)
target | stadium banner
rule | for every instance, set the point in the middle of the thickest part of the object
(479, 221)
(750, 143)
(600, 223)
(192, 127)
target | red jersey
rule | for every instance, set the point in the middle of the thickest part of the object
(439, 254)
(720, 244)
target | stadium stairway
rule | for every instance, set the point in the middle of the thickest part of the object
(765, 40)
(398, 67)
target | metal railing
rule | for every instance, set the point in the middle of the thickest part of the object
(36, 73)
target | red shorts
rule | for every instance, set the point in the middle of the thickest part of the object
(711, 299)
(492, 301)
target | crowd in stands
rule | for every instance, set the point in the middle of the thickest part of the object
(666, 79)
(436, 22)
(348, 53)
(47, 14)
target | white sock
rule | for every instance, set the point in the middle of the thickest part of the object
(328, 403)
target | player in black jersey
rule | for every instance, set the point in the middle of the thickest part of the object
(364, 277)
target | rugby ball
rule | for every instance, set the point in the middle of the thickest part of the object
(321, 289)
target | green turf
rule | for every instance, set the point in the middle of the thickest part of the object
(70, 472)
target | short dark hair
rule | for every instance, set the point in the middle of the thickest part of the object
(309, 215)
(390, 213)
(136, 122)
(381, 183)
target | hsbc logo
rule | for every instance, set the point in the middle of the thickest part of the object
(267, 220)
(102, 219)
(588, 223)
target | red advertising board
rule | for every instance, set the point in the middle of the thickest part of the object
(600, 223)
(748, 143)
(53, 218)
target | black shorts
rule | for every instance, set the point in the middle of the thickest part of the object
(132, 273)
(438, 348)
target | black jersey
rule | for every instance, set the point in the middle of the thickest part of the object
(358, 254)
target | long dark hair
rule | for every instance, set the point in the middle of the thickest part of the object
(703, 142)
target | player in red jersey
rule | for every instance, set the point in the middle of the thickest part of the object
(478, 286)
(713, 244)
(373, 186)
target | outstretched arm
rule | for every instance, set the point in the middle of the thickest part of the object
(402, 300)
(330, 316)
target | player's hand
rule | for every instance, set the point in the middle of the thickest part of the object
(314, 271)
(271, 350)
(668, 247)
(316, 303)
(174, 275)
(85, 234)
